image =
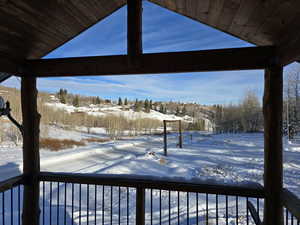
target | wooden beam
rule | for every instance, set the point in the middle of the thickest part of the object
(134, 29)
(273, 172)
(31, 159)
(10, 67)
(173, 184)
(155, 63)
(289, 53)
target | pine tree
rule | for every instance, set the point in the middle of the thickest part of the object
(146, 106)
(161, 108)
(183, 112)
(125, 101)
(137, 106)
(75, 101)
(177, 113)
(62, 95)
(120, 101)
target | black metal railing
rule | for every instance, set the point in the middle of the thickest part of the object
(291, 208)
(99, 199)
(11, 201)
(115, 199)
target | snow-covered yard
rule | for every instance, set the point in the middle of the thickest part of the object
(223, 158)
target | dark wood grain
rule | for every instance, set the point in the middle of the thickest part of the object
(155, 63)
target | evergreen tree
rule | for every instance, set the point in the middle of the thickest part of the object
(146, 106)
(183, 112)
(177, 113)
(125, 101)
(75, 101)
(137, 106)
(150, 104)
(62, 95)
(161, 108)
(120, 101)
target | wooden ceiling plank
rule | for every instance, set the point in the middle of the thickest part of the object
(277, 21)
(242, 16)
(230, 9)
(215, 10)
(256, 21)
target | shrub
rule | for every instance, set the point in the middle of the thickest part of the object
(55, 145)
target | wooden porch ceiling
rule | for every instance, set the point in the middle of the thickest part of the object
(32, 29)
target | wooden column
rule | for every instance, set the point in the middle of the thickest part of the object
(31, 159)
(272, 109)
(165, 138)
(134, 30)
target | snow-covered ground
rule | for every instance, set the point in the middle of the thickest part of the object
(224, 158)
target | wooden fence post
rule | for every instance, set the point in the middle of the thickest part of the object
(165, 138)
(31, 158)
(273, 172)
(180, 134)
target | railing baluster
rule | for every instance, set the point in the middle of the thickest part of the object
(50, 222)
(206, 209)
(151, 207)
(57, 205)
(140, 206)
(197, 208)
(79, 204)
(19, 204)
(72, 203)
(169, 207)
(103, 189)
(119, 201)
(187, 209)
(159, 207)
(65, 205)
(237, 209)
(95, 205)
(247, 212)
(127, 215)
(111, 204)
(178, 207)
(3, 207)
(226, 205)
(217, 213)
(87, 203)
(11, 206)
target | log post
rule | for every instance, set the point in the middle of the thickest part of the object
(31, 158)
(180, 133)
(273, 172)
(134, 30)
(165, 138)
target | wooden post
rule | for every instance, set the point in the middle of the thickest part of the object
(272, 109)
(31, 158)
(134, 30)
(165, 138)
(180, 134)
(140, 206)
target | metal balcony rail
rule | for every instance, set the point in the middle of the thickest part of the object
(119, 199)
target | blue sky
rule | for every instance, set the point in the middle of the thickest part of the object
(163, 31)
